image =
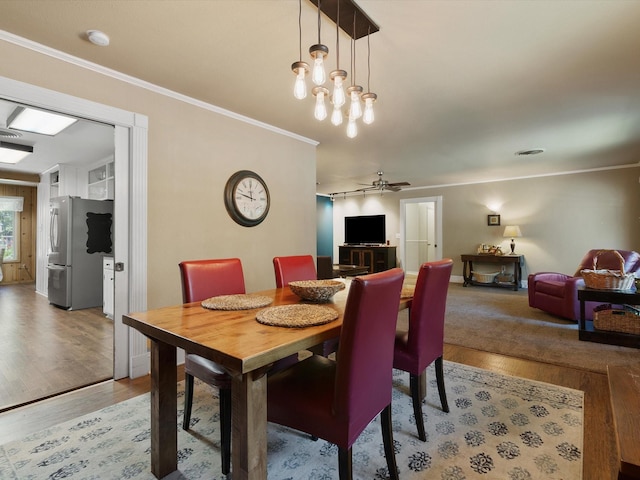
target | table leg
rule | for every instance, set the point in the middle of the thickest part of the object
(249, 430)
(466, 272)
(164, 409)
(517, 274)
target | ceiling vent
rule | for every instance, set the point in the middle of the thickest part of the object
(9, 133)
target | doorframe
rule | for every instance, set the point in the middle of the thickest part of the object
(437, 201)
(130, 219)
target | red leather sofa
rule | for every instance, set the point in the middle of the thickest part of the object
(557, 293)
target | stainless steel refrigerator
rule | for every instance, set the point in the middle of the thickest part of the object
(80, 235)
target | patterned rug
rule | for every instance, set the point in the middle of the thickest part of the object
(499, 427)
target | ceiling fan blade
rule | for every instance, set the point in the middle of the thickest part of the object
(393, 188)
(399, 184)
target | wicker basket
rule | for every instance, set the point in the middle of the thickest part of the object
(608, 279)
(625, 320)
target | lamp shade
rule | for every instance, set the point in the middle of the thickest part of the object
(512, 231)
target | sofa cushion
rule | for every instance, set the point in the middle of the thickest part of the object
(553, 288)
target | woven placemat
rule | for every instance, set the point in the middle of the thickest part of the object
(407, 292)
(236, 302)
(297, 316)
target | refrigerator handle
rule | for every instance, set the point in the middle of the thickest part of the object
(53, 230)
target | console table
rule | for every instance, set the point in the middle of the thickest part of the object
(515, 260)
(587, 332)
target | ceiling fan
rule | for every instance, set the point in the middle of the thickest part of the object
(381, 184)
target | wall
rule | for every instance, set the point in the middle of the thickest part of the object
(192, 153)
(13, 272)
(561, 217)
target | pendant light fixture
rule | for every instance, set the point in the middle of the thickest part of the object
(300, 68)
(355, 109)
(369, 97)
(361, 26)
(318, 53)
(337, 77)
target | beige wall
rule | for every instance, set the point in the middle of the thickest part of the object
(192, 153)
(561, 217)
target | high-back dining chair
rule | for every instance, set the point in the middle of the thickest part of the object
(337, 399)
(202, 279)
(423, 343)
(293, 269)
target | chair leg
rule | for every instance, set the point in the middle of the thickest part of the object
(414, 385)
(440, 380)
(225, 429)
(387, 440)
(188, 400)
(344, 464)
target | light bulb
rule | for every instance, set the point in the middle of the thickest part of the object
(352, 129)
(300, 87)
(336, 116)
(355, 110)
(320, 112)
(338, 92)
(367, 116)
(319, 76)
(369, 99)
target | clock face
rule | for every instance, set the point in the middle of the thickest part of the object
(247, 198)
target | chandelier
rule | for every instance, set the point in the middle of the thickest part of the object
(354, 22)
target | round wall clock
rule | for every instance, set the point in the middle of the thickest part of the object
(246, 198)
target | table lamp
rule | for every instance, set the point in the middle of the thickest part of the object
(512, 231)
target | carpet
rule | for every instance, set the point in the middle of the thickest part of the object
(499, 427)
(500, 321)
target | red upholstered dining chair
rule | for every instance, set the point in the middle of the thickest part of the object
(336, 399)
(423, 343)
(202, 279)
(293, 269)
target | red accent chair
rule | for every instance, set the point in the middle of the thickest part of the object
(293, 269)
(337, 399)
(557, 293)
(423, 343)
(202, 279)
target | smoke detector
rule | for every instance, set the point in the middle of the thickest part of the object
(98, 38)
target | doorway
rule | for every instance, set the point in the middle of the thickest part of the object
(421, 231)
(130, 349)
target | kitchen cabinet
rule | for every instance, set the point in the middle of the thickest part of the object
(63, 180)
(101, 182)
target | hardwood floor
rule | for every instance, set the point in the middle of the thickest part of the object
(599, 454)
(47, 350)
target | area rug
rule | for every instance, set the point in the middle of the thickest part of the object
(500, 321)
(498, 427)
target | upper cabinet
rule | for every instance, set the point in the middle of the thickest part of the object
(101, 182)
(63, 180)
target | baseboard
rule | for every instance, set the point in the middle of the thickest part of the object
(140, 365)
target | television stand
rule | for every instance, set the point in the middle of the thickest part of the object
(377, 258)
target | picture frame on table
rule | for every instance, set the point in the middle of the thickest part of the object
(493, 220)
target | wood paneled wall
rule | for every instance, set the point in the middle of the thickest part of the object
(14, 272)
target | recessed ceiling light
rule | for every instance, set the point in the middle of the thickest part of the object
(98, 38)
(532, 151)
(13, 152)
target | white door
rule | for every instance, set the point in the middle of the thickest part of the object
(420, 232)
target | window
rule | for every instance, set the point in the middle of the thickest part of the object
(10, 208)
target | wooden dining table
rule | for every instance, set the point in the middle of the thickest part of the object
(245, 348)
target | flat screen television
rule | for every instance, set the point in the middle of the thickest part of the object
(365, 230)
